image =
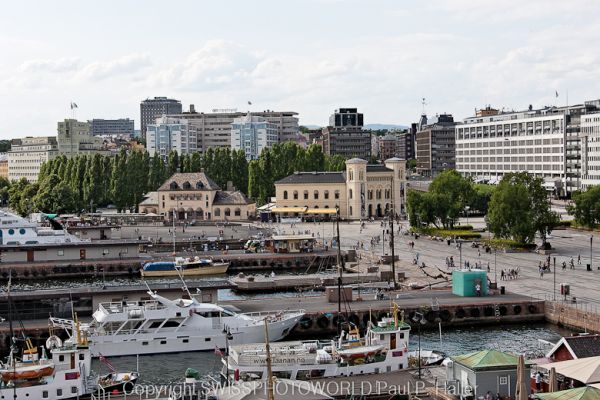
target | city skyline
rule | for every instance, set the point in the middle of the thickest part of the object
(309, 57)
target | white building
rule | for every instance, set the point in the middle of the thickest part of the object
(27, 155)
(169, 133)
(544, 143)
(252, 134)
(590, 150)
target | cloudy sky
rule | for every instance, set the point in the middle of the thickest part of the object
(309, 56)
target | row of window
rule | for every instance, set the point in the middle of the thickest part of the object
(336, 195)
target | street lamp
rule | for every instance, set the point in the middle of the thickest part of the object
(467, 208)
(591, 241)
(419, 319)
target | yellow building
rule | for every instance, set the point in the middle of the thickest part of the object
(361, 191)
(3, 166)
(196, 197)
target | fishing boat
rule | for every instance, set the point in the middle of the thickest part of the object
(383, 349)
(117, 382)
(161, 325)
(187, 266)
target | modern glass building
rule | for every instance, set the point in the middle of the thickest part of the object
(252, 134)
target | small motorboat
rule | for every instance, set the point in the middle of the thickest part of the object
(428, 357)
(117, 382)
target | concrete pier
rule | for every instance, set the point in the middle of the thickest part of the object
(260, 283)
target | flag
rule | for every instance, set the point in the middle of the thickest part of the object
(105, 361)
(74, 105)
(218, 351)
(556, 92)
(249, 103)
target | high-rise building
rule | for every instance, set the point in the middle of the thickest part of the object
(122, 126)
(214, 129)
(348, 142)
(169, 133)
(545, 142)
(406, 143)
(252, 134)
(345, 117)
(74, 138)
(27, 155)
(150, 109)
(435, 145)
(388, 146)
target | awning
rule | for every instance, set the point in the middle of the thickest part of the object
(585, 370)
(321, 211)
(288, 209)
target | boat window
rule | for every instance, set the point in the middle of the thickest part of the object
(59, 392)
(163, 342)
(282, 374)
(144, 343)
(227, 313)
(45, 394)
(155, 324)
(171, 324)
(61, 358)
(207, 339)
(186, 340)
(73, 389)
(81, 357)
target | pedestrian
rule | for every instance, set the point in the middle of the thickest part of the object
(564, 265)
(579, 259)
(488, 268)
(541, 272)
(478, 289)
(502, 275)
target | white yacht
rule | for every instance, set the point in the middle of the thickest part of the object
(161, 325)
(383, 349)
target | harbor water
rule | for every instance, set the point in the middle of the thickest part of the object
(164, 369)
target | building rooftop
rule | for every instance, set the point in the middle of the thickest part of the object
(189, 181)
(581, 346)
(378, 168)
(487, 359)
(150, 199)
(314, 177)
(233, 198)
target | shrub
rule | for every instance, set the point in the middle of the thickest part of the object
(508, 244)
(458, 233)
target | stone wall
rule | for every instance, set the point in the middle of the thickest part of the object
(583, 317)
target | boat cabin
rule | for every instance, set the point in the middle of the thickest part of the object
(293, 244)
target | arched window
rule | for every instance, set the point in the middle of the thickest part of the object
(217, 212)
(316, 195)
(351, 174)
(336, 195)
(227, 212)
(186, 186)
(306, 195)
(350, 210)
(238, 212)
(174, 186)
(295, 195)
(285, 196)
(199, 185)
(326, 195)
(350, 195)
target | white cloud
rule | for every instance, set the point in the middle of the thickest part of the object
(125, 65)
(57, 65)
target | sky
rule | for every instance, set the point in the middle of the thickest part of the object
(309, 56)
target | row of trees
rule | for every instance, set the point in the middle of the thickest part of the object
(516, 209)
(586, 207)
(86, 182)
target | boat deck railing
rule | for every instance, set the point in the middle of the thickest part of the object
(119, 307)
(273, 314)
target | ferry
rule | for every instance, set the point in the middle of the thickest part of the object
(383, 349)
(161, 325)
(186, 266)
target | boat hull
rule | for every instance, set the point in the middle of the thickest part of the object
(185, 341)
(215, 269)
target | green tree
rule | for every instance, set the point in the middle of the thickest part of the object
(481, 197)
(254, 177)
(335, 163)
(119, 182)
(586, 207)
(92, 183)
(172, 162)
(452, 192)
(195, 162)
(54, 196)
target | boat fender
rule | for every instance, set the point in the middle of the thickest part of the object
(503, 310)
(460, 313)
(517, 309)
(323, 321)
(475, 312)
(532, 309)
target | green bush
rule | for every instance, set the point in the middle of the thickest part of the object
(566, 224)
(458, 233)
(507, 244)
(463, 227)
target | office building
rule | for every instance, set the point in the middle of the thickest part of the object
(4, 165)
(252, 134)
(74, 138)
(435, 145)
(345, 117)
(150, 109)
(26, 156)
(111, 127)
(361, 191)
(590, 150)
(348, 142)
(169, 133)
(214, 129)
(545, 142)
(406, 143)
(388, 146)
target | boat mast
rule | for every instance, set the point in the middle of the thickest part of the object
(392, 214)
(270, 393)
(12, 359)
(339, 265)
(174, 251)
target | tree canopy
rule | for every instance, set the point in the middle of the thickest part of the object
(586, 207)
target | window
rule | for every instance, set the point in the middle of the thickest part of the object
(81, 357)
(174, 186)
(237, 212)
(295, 195)
(22, 231)
(336, 194)
(60, 252)
(45, 394)
(350, 195)
(187, 186)
(59, 392)
(306, 195)
(186, 340)
(11, 231)
(144, 343)
(61, 358)
(227, 212)
(316, 194)
(285, 195)
(326, 195)
(207, 339)
(73, 389)
(217, 212)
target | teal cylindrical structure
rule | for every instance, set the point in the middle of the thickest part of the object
(464, 282)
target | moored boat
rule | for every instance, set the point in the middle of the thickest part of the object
(186, 266)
